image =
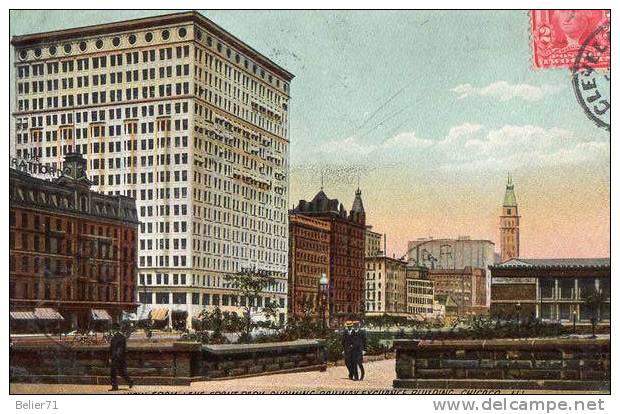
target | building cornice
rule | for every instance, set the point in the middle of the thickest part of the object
(30, 40)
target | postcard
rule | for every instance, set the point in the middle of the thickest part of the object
(310, 202)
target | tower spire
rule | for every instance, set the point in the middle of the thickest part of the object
(509, 224)
(510, 200)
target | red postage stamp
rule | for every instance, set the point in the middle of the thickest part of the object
(558, 35)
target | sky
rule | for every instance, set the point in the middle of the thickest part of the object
(428, 111)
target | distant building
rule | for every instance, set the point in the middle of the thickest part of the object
(448, 306)
(550, 289)
(386, 284)
(72, 251)
(509, 224)
(420, 298)
(346, 255)
(466, 287)
(373, 242)
(309, 246)
(420, 293)
(452, 254)
(416, 272)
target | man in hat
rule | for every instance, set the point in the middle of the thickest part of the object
(118, 361)
(358, 337)
(347, 346)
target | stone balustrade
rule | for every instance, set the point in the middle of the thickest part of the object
(526, 364)
(160, 363)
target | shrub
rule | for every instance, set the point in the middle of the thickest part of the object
(486, 327)
(374, 345)
(197, 336)
(333, 347)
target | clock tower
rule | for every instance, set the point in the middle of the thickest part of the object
(509, 224)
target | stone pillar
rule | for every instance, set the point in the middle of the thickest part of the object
(405, 358)
(405, 364)
(170, 309)
(185, 358)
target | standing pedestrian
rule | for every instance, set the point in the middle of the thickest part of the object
(347, 346)
(359, 349)
(118, 358)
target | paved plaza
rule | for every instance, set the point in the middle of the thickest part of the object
(379, 377)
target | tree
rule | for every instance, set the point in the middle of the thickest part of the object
(213, 321)
(595, 302)
(252, 283)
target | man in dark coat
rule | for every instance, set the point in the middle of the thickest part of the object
(118, 361)
(347, 346)
(358, 349)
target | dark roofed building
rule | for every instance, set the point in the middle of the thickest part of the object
(347, 252)
(72, 250)
(551, 289)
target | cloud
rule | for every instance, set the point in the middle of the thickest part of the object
(504, 91)
(461, 132)
(514, 146)
(353, 146)
(406, 140)
(473, 146)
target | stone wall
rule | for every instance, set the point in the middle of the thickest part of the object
(147, 363)
(225, 361)
(162, 363)
(527, 364)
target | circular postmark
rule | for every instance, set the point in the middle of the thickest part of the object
(591, 76)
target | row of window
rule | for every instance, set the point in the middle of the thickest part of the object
(85, 81)
(100, 97)
(66, 291)
(128, 113)
(181, 298)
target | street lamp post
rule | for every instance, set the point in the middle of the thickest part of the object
(323, 288)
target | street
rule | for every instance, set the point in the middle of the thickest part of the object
(379, 376)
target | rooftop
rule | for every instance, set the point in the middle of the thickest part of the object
(598, 262)
(29, 40)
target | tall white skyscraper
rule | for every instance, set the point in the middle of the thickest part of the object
(193, 123)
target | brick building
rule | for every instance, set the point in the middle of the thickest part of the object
(464, 287)
(346, 255)
(309, 242)
(72, 251)
(550, 289)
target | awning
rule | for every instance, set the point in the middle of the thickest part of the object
(100, 315)
(160, 314)
(48, 314)
(23, 316)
